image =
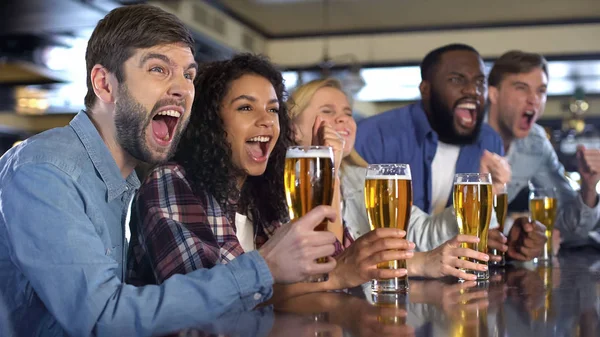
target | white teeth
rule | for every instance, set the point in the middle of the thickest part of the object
(466, 119)
(343, 133)
(171, 113)
(261, 139)
(470, 106)
(529, 113)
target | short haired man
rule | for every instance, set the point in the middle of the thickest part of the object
(518, 83)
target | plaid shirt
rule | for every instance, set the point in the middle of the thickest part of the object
(175, 231)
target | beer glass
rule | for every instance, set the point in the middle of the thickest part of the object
(500, 208)
(388, 199)
(542, 208)
(308, 180)
(473, 202)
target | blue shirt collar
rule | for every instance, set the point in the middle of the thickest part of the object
(102, 158)
(423, 129)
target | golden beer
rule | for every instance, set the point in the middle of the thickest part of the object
(308, 184)
(500, 208)
(543, 209)
(473, 208)
(388, 201)
(308, 181)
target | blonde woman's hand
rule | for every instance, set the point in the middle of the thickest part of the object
(324, 134)
(446, 259)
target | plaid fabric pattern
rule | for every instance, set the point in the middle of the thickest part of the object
(174, 231)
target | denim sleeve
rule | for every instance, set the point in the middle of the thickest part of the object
(56, 247)
(574, 218)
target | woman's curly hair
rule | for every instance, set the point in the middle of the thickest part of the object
(206, 155)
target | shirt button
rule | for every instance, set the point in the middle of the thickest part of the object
(257, 296)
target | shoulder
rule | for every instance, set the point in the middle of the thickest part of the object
(168, 177)
(166, 172)
(488, 133)
(59, 148)
(537, 132)
(536, 142)
(389, 119)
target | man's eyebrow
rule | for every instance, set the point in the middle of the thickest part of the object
(158, 56)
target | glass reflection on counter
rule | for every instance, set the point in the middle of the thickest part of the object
(391, 307)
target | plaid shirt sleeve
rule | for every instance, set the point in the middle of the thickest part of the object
(174, 230)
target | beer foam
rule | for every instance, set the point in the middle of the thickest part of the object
(391, 177)
(473, 183)
(313, 153)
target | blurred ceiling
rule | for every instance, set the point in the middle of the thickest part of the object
(289, 18)
(33, 32)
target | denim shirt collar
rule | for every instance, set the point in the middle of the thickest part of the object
(102, 158)
(421, 124)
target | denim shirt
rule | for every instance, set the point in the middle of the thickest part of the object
(404, 135)
(533, 159)
(63, 202)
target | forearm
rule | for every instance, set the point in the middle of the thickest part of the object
(282, 292)
(575, 219)
(428, 232)
(415, 265)
(589, 195)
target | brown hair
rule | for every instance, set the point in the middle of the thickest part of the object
(125, 29)
(515, 62)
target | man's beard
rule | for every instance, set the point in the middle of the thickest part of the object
(131, 123)
(442, 121)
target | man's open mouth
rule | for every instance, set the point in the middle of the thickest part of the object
(164, 124)
(466, 113)
(527, 119)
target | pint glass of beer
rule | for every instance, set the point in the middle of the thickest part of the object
(542, 208)
(500, 207)
(473, 202)
(388, 199)
(309, 183)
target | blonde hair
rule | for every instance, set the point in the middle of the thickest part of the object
(301, 97)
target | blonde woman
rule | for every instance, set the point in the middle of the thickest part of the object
(322, 115)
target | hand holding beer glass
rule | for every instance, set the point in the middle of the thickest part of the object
(542, 208)
(500, 208)
(308, 182)
(388, 199)
(473, 201)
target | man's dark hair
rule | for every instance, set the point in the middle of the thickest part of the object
(432, 59)
(515, 62)
(125, 29)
